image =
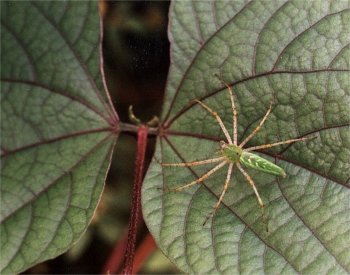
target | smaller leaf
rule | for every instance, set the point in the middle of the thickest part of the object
(56, 128)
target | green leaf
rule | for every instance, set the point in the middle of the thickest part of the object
(296, 55)
(56, 128)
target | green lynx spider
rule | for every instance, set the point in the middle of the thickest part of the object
(233, 153)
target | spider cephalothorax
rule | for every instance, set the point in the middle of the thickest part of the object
(231, 152)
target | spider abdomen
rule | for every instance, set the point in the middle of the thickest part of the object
(258, 163)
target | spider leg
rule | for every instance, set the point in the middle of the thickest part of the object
(257, 128)
(251, 182)
(218, 119)
(193, 163)
(199, 180)
(234, 110)
(228, 177)
(264, 146)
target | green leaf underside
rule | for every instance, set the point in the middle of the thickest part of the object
(56, 138)
(295, 54)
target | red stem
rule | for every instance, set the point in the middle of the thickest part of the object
(126, 246)
(115, 259)
(144, 250)
(136, 200)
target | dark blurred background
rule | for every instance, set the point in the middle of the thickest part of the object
(136, 54)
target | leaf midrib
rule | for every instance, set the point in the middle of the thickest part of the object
(7, 153)
(278, 155)
(59, 92)
(48, 185)
(168, 122)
